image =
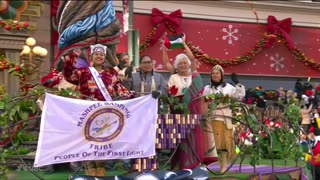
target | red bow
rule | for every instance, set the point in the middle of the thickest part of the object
(161, 19)
(275, 27)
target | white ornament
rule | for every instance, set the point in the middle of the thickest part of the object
(277, 62)
(230, 33)
(159, 66)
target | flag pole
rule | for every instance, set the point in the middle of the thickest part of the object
(131, 44)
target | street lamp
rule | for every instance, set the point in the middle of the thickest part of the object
(31, 58)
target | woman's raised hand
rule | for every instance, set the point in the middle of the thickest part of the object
(77, 51)
(184, 38)
(162, 46)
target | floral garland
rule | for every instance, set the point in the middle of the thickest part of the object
(218, 98)
(146, 42)
(200, 55)
(204, 57)
(226, 62)
(299, 55)
(10, 24)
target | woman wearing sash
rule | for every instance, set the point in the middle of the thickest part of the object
(97, 82)
(197, 141)
(221, 124)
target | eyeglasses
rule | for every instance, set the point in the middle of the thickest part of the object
(146, 62)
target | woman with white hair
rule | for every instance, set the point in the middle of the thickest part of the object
(188, 53)
(197, 140)
(178, 84)
(182, 79)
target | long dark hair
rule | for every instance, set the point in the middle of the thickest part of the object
(216, 84)
(140, 62)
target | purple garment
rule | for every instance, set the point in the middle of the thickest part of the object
(81, 63)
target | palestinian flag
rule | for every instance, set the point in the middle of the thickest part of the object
(173, 42)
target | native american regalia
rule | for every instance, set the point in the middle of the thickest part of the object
(87, 86)
(81, 24)
(221, 121)
(145, 83)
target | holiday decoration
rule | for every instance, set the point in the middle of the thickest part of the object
(10, 24)
(277, 31)
(227, 62)
(275, 27)
(161, 20)
(230, 34)
(299, 55)
(146, 43)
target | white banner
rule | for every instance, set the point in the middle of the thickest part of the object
(79, 130)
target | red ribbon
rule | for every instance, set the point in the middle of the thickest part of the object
(163, 20)
(275, 27)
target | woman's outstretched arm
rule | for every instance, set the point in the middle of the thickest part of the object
(190, 55)
(166, 62)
